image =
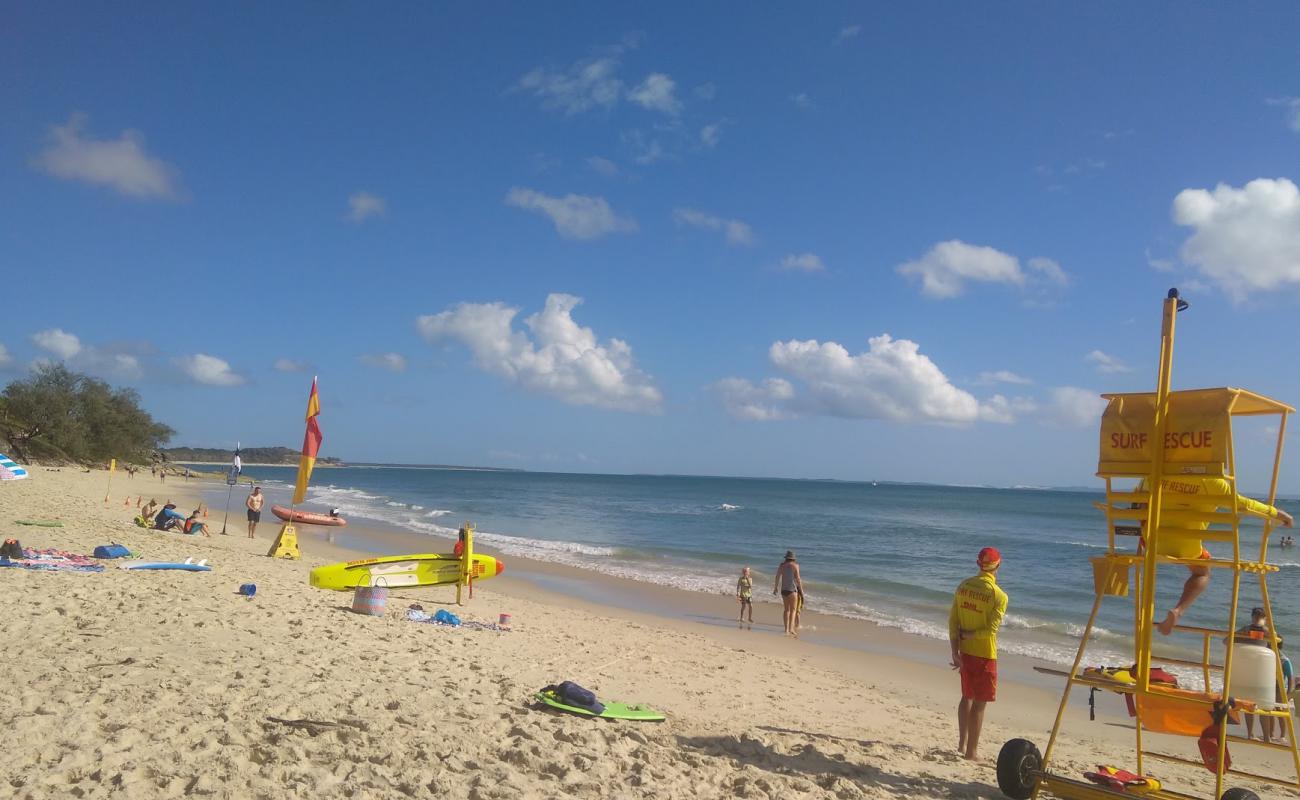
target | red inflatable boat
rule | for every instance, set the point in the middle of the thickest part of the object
(308, 517)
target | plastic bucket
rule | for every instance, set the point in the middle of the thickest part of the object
(504, 621)
(370, 600)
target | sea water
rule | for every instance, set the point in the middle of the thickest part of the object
(888, 553)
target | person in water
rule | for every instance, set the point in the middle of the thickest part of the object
(745, 594)
(790, 585)
(254, 505)
(1200, 494)
(978, 607)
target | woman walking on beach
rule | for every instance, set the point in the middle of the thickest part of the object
(790, 586)
(745, 594)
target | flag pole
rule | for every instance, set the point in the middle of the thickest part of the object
(231, 479)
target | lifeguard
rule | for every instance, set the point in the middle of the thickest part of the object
(978, 607)
(1205, 495)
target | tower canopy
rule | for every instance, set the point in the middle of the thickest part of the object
(1198, 431)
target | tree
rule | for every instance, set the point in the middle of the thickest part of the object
(64, 414)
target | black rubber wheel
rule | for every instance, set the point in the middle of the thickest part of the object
(1239, 794)
(1018, 762)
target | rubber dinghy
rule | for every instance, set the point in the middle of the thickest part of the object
(307, 517)
(423, 569)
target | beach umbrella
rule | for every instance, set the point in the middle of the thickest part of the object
(9, 471)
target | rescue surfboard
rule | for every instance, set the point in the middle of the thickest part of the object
(423, 569)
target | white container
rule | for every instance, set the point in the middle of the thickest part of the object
(1254, 674)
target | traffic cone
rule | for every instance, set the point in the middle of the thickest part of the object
(126, 503)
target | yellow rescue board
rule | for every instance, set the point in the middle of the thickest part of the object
(425, 569)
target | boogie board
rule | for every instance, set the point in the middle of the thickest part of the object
(424, 569)
(181, 565)
(638, 712)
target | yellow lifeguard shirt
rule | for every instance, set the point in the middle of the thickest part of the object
(977, 608)
(1204, 494)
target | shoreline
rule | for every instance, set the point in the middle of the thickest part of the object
(98, 660)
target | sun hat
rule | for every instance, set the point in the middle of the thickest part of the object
(789, 555)
(989, 559)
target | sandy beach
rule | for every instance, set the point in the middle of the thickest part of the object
(165, 684)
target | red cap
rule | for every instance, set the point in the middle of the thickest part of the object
(989, 558)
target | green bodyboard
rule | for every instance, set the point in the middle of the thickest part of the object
(638, 712)
(38, 523)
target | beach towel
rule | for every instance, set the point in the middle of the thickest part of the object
(53, 561)
(1121, 780)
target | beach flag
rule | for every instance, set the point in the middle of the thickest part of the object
(310, 446)
(236, 467)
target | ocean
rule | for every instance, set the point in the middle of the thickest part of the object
(887, 553)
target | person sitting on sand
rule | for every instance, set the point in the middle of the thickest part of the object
(1201, 494)
(168, 518)
(978, 607)
(195, 525)
(149, 509)
(745, 594)
(790, 585)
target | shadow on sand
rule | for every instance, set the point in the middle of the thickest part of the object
(827, 770)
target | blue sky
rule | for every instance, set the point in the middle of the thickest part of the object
(819, 241)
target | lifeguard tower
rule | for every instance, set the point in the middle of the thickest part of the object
(1149, 442)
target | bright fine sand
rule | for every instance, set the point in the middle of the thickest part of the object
(163, 684)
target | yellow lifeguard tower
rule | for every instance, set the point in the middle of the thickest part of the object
(1165, 442)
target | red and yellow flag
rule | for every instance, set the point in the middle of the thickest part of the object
(310, 446)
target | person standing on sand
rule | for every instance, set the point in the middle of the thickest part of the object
(254, 504)
(978, 607)
(745, 594)
(790, 585)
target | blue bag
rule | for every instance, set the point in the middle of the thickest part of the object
(111, 551)
(446, 617)
(575, 695)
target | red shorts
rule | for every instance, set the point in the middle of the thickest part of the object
(979, 678)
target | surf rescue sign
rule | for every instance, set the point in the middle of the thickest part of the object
(1196, 439)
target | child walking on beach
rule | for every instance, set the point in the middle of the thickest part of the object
(745, 594)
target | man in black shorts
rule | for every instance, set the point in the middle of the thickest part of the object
(254, 504)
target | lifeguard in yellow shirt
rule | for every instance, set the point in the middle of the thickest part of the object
(978, 607)
(1206, 495)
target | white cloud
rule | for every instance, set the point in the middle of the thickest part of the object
(393, 362)
(210, 370)
(802, 100)
(58, 343)
(735, 231)
(603, 166)
(1073, 407)
(554, 356)
(1107, 364)
(762, 402)
(121, 164)
(848, 32)
(575, 216)
(656, 93)
(364, 205)
(645, 149)
(1291, 105)
(1158, 264)
(804, 262)
(6, 360)
(68, 347)
(1002, 376)
(710, 135)
(948, 266)
(289, 365)
(583, 86)
(706, 91)
(892, 380)
(1245, 240)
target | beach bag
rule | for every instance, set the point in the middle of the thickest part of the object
(370, 600)
(445, 617)
(574, 695)
(111, 551)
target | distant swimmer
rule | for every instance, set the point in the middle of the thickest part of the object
(790, 585)
(978, 607)
(1204, 495)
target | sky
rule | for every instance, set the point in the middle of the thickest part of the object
(828, 240)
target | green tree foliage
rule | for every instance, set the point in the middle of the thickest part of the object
(58, 413)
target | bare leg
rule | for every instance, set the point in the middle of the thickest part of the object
(1266, 728)
(787, 614)
(974, 723)
(1196, 583)
(750, 605)
(1250, 725)
(963, 713)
